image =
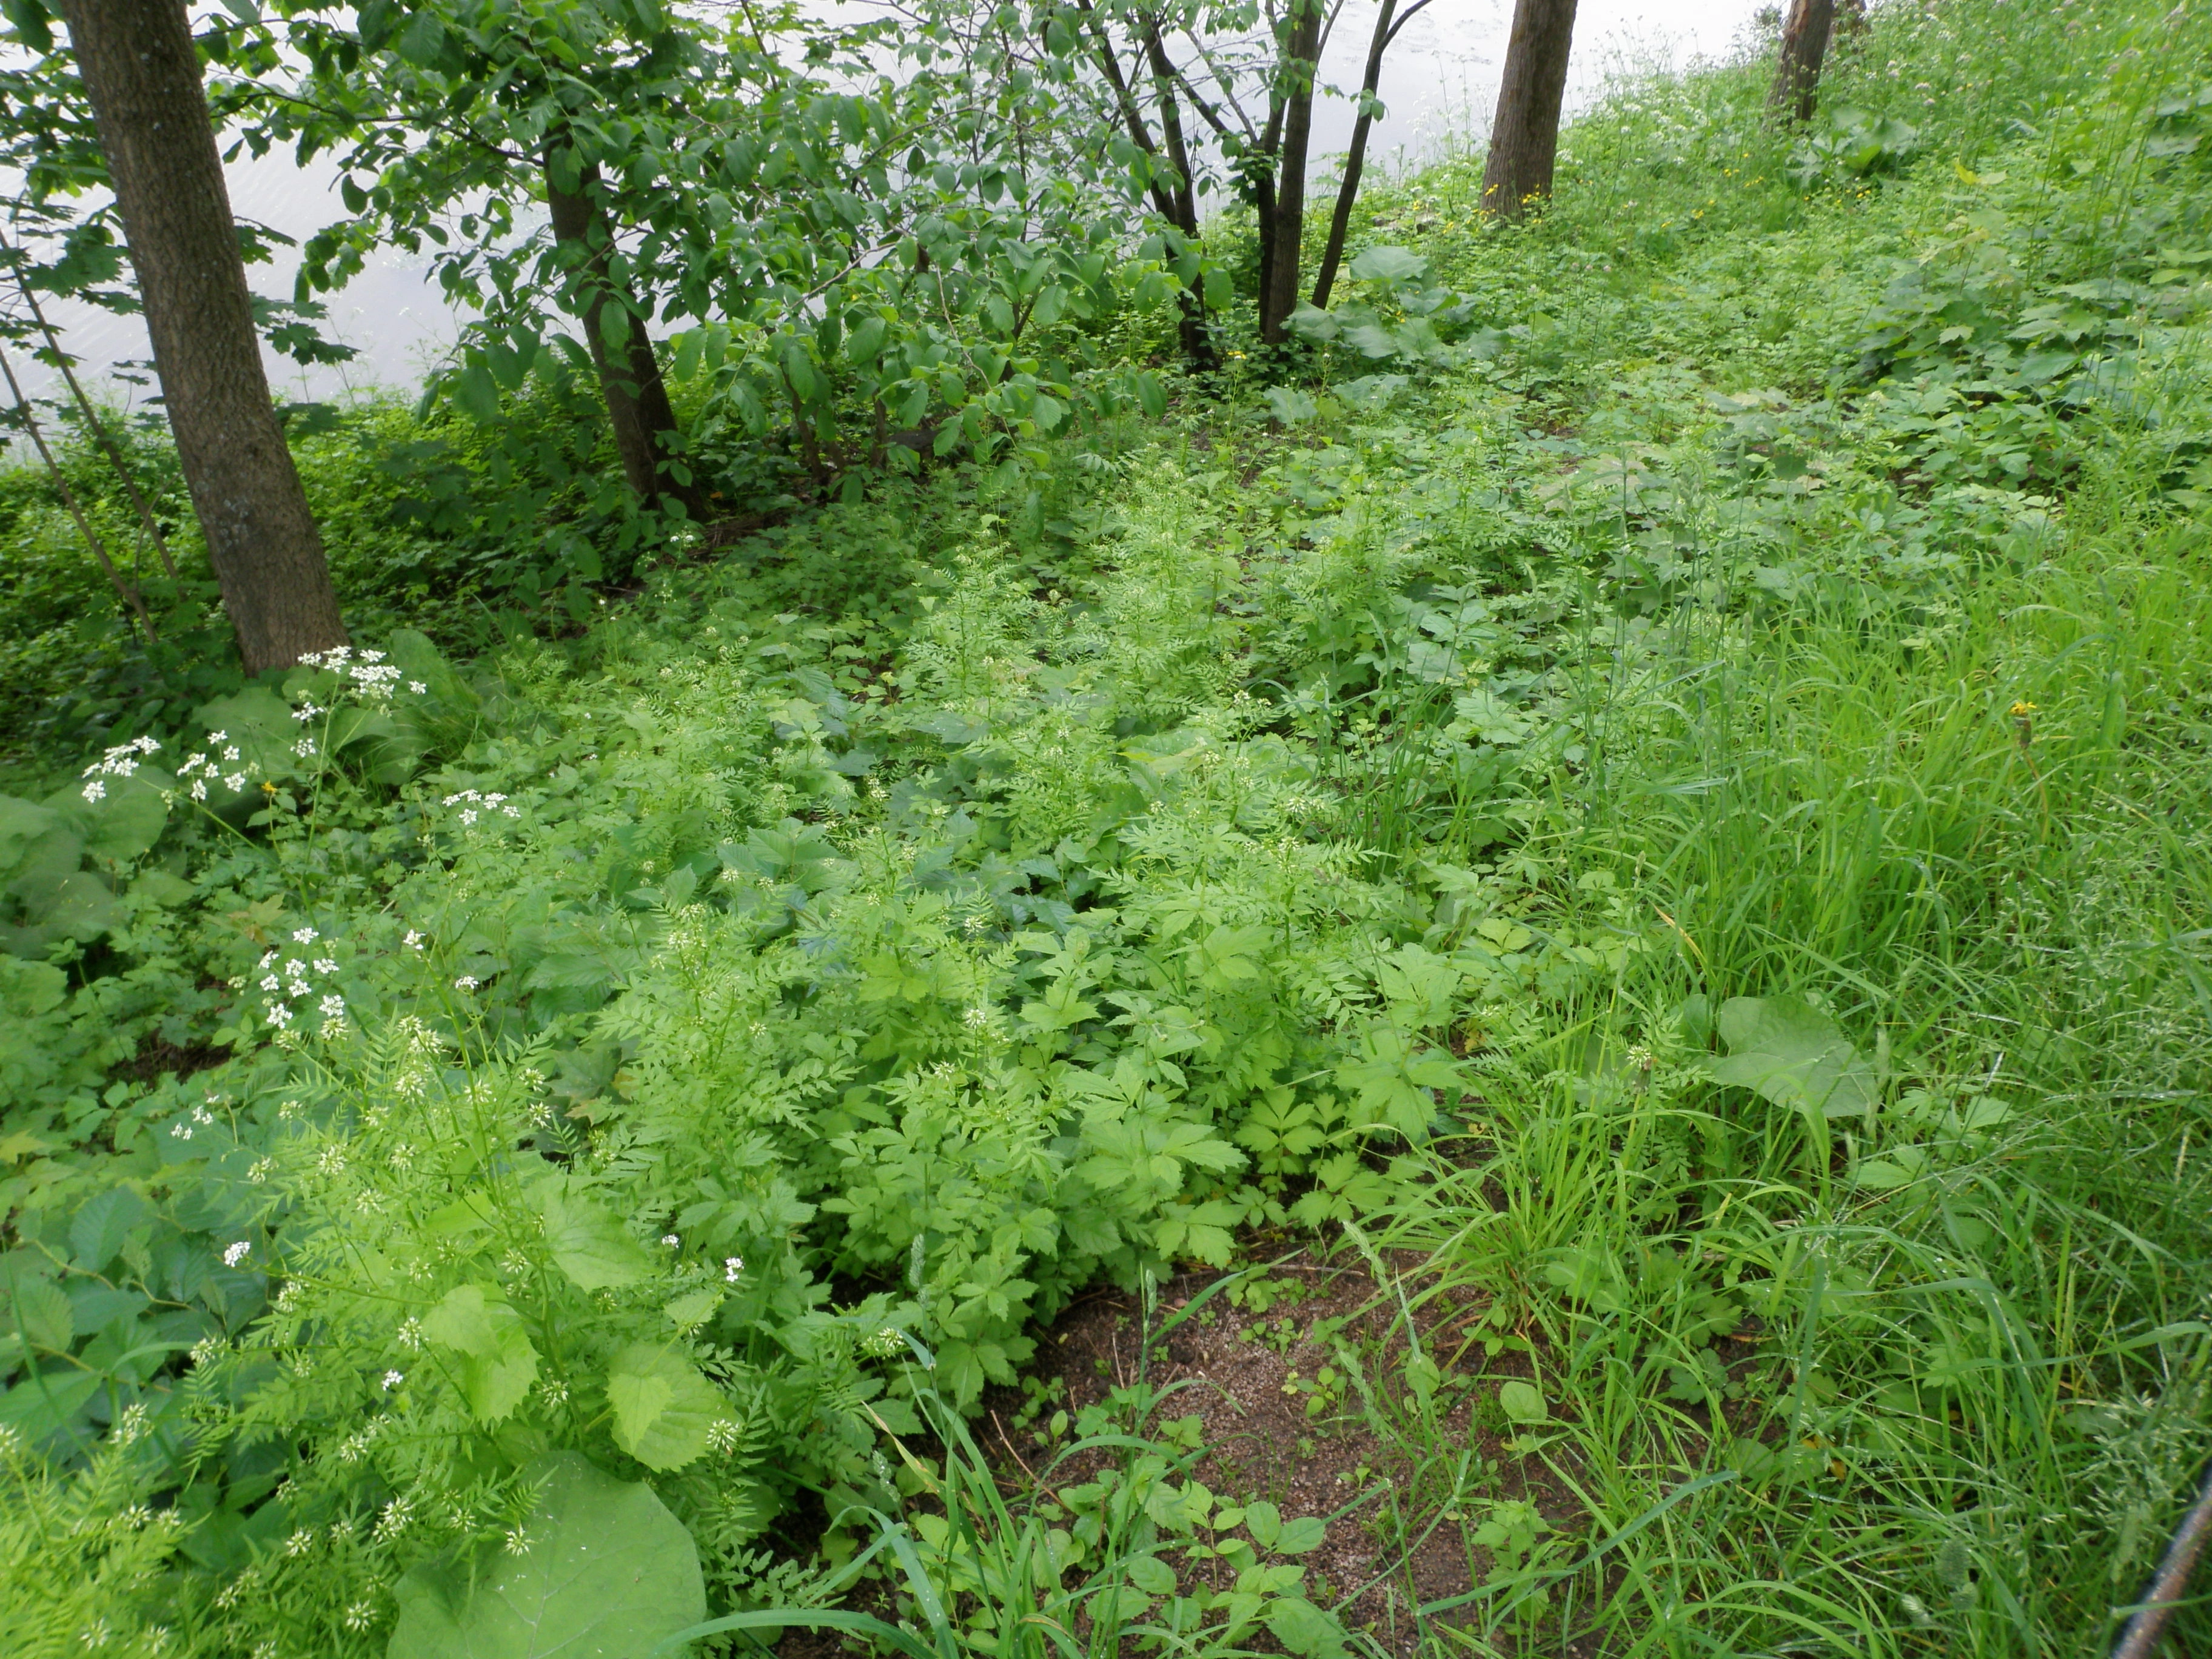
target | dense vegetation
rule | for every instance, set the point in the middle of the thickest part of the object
(1646, 776)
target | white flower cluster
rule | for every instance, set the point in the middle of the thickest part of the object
(202, 768)
(377, 678)
(484, 804)
(183, 1131)
(119, 762)
(287, 981)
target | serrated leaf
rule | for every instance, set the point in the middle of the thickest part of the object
(498, 1361)
(690, 1311)
(606, 1572)
(97, 1229)
(663, 1408)
(1304, 1629)
(588, 1243)
(1794, 1057)
(1264, 1522)
(42, 1313)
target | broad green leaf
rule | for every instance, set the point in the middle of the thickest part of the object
(1264, 1522)
(1388, 265)
(498, 1361)
(689, 1311)
(606, 1572)
(476, 394)
(1794, 1055)
(1523, 1402)
(1304, 1629)
(663, 1408)
(97, 1231)
(588, 1243)
(42, 1312)
(1301, 1536)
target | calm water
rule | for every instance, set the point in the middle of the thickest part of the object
(1439, 84)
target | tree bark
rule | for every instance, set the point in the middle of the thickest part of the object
(141, 75)
(1797, 67)
(1285, 230)
(629, 372)
(1194, 334)
(1524, 136)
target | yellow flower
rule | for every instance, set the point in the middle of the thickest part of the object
(2021, 710)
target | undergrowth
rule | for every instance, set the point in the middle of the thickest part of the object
(1647, 778)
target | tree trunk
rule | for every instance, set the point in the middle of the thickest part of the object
(1355, 157)
(1797, 68)
(1524, 137)
(1193, 334)
(1287, 234)
(141, 75)
(629, 372)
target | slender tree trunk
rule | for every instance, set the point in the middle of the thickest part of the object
(1524, 137)
(1355, 158)
(1278, 298)
(1797, 68)
(141, 75)
(1193, 334)
(629, 372)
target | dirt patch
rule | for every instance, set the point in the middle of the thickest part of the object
(1288, 1374)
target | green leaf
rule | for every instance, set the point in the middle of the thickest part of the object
(1150, 395)
(498, 1360)
(1524, 1402)
(476, 394)
(33, 23)
(1794, 1057)
(689, 1311)
(1301, 1535)
(1387, 265)
(1304, 1629)
(42, 1312)
(663, 1408)
(97, 1231)
(588, 1242)
(1264, 1522)
(606, 1572)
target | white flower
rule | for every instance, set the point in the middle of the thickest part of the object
(218, 737)
(325, 965)
(234, 782)
(198, 791)
(94, 790)
(280, 1016)
(300, 1542)
(467, 982)
(269, 982)
(518, 1541)
(414, 940)
(732, 1266)
(672, 1241)
(410, 1335)
(331, 1008)
(359, 1615)
(394, 1379)
(305, 936)
(230, 753)
(305, 748)
(417, 687)
(236, 1253)
(306, 711)
(469, 816)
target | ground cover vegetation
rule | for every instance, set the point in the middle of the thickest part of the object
(1637, 783)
